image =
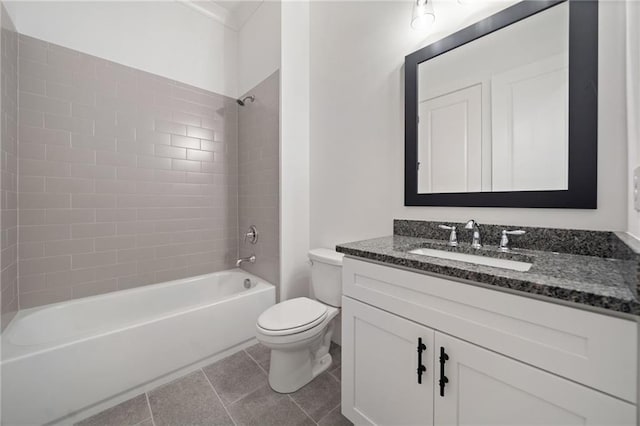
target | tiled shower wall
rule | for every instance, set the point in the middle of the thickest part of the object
(125, 178)
(258, 177)
(8, 169)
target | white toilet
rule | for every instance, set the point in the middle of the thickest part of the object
(298, 331)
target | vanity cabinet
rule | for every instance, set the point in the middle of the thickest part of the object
(490, 378)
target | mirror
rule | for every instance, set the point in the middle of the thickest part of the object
(495, 112)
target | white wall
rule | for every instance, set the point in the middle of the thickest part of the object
(259, 46)
(357, 127)
(164, 38)
(294, 151)
(633, 106)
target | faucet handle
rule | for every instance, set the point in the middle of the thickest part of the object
(504, 240)
(251, 235)
(453, 237)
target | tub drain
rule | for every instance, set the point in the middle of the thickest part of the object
(247, 283)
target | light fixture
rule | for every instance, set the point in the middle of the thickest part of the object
(423, 16)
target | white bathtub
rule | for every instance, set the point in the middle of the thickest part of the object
(62, 359)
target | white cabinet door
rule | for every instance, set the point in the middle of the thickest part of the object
(485, 388)
(379, 368)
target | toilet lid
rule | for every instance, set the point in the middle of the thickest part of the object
(294, 315)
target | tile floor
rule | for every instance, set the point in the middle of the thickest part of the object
(232, 391)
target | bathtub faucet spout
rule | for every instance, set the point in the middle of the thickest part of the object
(250, 259)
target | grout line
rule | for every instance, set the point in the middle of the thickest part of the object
(330, 411)
(218, 396)
(146, 395)
(254, 360)
(301, 409)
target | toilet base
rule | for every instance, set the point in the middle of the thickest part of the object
(293, 367)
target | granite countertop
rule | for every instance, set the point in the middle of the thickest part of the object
(601, 282)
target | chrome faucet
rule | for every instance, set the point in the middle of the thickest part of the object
(250, 259)
(477, 239)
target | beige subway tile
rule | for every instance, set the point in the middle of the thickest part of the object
(92, 230)
(83, 201)
(133, 281)
(153, 138)
(130, 147)
(90, 112)
(154, 163)
(32, 283)
(186, 165)
(200, 178)
(32, 151)
(43, 265)
(30, 250)
(68, 124)
(115, 243)
(94, 171)
(186, 119)
(69, 278)
(197, 155)
(94, 288)
(61, 57)
(33, 200)
(88, 260)
(31, 184)
(44, 297)
(32, 84)
(116, 215)
(170, 127)
(170, 275)
(87, 141)
(35, 233)
(185, 142)
(200, 133)
(33, 51)
(213, 146)
(169, 176)
(62, 247)
(70, 155)
(31, 217)
(29, 134)
(118, 159)
(134, 174)
(114, 187)
(170, 151)
(121, 269)
(69, 185)
(44, 104)
(133, 228)
(70, 93)
(70, 216)
(27, 117)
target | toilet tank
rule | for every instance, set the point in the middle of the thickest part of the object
(326, 275)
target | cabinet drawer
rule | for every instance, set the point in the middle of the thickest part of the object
(593, 349)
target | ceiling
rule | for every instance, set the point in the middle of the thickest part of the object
(232, 13)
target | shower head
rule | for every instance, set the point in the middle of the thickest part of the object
(241, 102)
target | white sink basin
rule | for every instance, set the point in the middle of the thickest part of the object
(514, 265)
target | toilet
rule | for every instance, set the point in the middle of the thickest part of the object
(298, 331)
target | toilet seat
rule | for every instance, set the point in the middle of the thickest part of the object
(292, 316)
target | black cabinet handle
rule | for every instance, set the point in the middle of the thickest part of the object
(421, 368)
(443, 379)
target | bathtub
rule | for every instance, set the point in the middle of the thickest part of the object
(62, 359)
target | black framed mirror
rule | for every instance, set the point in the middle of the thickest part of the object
(504, 113)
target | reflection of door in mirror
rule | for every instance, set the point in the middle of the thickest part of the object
(449, 142)
(493, 113)
(530, 133)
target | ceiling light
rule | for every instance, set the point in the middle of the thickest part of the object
(423, 16)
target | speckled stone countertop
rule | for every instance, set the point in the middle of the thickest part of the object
(607, 283)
